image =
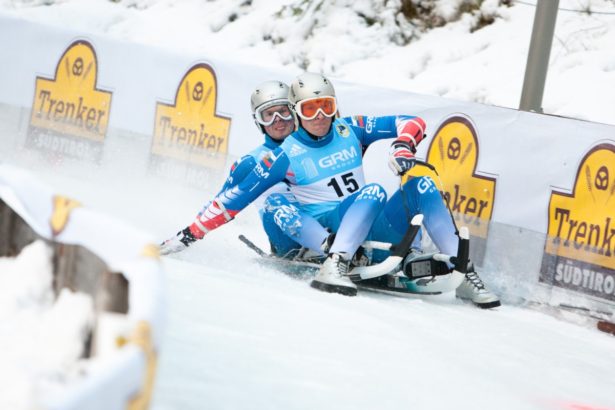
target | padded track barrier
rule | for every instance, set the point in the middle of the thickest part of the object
(116, 265)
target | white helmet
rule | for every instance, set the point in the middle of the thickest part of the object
(265, 95)
(310, 85)
(270, 93)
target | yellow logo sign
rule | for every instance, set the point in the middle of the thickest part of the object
(454, 154)
(70, 103)
(582, 224)
(190, 130)
(62, 208)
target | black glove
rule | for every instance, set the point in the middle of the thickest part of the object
(178, 243)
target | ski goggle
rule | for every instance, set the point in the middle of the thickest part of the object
(308, 109)
(267, 113)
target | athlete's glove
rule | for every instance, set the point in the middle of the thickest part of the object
(178, 243)
(401, 157)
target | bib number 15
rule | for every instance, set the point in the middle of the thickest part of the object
(348, 183)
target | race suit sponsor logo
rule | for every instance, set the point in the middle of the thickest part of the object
(331, 161)
(580, 246)
(260, 171)
(288, 219)
(296, 150)
(425, 185)
(454, 152)
(190, 130)
(70, 116)
(372, 192)
(343, 130)
(369, 124)
(62, 208)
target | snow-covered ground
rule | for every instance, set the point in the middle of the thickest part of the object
(242, 335)
(370, 42)
(41, 338)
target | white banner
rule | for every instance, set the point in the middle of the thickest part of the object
(549, 175)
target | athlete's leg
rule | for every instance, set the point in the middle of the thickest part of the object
(354, 218)
(289, 228)
(351, 220)
(418, 195)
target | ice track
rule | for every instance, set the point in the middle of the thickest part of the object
(244, 336)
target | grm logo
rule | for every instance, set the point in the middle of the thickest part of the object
(340, 156)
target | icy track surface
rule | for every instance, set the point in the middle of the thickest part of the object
(241, 335)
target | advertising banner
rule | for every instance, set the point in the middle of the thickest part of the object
(69, 115)
(542, 174)
(580, 247)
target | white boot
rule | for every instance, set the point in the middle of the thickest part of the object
(472, 288)
(332, 276)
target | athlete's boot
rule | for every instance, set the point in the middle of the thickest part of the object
(332, 276)
(472, 288)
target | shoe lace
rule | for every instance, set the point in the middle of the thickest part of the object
(341, 266)
(475, 280)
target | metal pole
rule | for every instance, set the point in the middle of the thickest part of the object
(538, 56)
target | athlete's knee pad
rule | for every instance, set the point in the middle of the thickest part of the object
(283, 213)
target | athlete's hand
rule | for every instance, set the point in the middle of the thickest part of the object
(178, 243)
(401, 158)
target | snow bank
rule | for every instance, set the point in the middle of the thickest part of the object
(372, 42)
(96, 348)
(41, 338)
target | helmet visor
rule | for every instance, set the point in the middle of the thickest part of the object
(267, 113)
(308, 109)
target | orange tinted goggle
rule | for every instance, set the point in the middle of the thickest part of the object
(308, 109)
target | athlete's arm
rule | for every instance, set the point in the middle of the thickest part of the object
(239, 171)
(228, 203)
(266, 173)
(370, 129)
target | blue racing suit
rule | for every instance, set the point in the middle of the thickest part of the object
(326, 180)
